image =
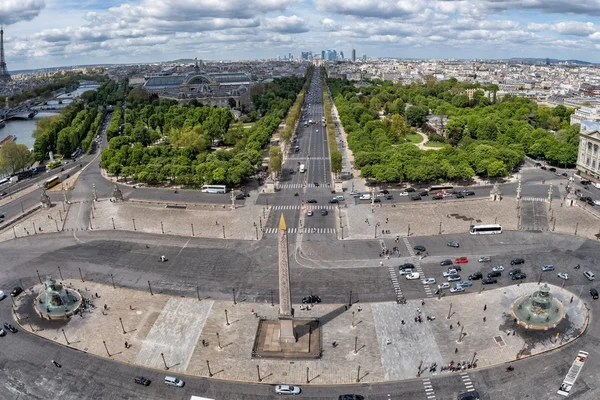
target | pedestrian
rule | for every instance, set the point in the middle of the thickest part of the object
(381, 263)
(484, 319)
(416, 319)
(450, 326)
(485, 307)
(126, 345)
(402, 322)
(458, 323)
(422, 302)
(456, 350)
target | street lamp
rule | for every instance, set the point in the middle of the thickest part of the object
(376, 226)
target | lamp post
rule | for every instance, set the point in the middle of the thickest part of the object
(376, 226)
(519, 190)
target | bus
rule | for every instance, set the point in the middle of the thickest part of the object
(440, 187)
(302, 169)
(214, 189)
(492, 229)
(51, 182)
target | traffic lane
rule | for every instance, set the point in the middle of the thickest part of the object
(18, 206)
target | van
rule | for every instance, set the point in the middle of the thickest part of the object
(590, 275)
(173, 381)
(365, 196)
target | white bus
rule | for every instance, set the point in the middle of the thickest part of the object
(302, 169)
(214, 189)
(436, 188)
(492, 229)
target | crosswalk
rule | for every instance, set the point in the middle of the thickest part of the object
(396, 284)
(467, 381)
(300, 185)
(307, 206)
(428, 389)
(409, 247)
(411, 251)
(302, 230)
(529, 198)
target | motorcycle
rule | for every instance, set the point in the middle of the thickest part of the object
(510, 368)
(57, 365)
(577, 266)
(296, 194)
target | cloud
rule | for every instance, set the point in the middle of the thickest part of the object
(330, 25)
(282, 24)
(13, 11)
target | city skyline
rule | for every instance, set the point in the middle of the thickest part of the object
(52, 33)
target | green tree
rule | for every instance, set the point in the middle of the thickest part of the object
(416, 115)
(398, 126)
(336, 161)
(275, 160)
(14, 157)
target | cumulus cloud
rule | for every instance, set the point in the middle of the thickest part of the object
(13, 11)
(330, 25)
(282, 24)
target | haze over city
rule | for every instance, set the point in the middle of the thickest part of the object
(49, 33)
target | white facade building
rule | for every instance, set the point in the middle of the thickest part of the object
(588, 159)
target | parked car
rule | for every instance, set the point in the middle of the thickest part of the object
(415, 198)
(489, 281)
(444, 285)
(312, 299)
(419, 248)
(590, 275)
(461, 260)
(406, 266)
(485, 259)
(17, 290)
(459, 195)
(517, 261)
(457, 289)
(445, 262)
(494, 274)
(518, 275)
(428, 281)
(311, 201)
(287, 389)
(140, 380)
(594, 293)
(464, 283)
(449, 272)
(406, 271)
(514, 271)
(498, 268)
(2, 332)
(9, 327)
(453, 244)
(563, 275)
(476, 275)
(473, 395)
(414, 275)
(552, 169)
(585, 182)
(453, 278)
(469, 193)
(548, 267)
(351, 397)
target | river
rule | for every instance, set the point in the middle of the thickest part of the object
(23, 128)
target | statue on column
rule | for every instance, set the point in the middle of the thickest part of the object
(117, 194)
(45, 200)
(496, 193)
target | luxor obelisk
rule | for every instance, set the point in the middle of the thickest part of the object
(286, 313)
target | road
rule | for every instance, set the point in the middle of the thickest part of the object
(252, 270)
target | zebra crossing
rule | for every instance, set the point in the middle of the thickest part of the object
(529, 198)
(308, 207)
(396, 284)
(409, 247)
(428, 389)
(418, 267)
(302, 230)
(300, 185)
(467, 381)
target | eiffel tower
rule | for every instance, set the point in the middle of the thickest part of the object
(4, 75)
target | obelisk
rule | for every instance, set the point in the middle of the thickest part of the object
(286, 330)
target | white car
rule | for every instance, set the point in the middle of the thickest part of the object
(428, 281)
(597, 202)
(287, 389)
(498, 268)
(457, 289)
(354, 193)
(406, 271)
(447, 195)
(485, 259)
(365, 196)
(444, 285)
(414, 275)
(450, 272)
(403, 194)
(563, 275)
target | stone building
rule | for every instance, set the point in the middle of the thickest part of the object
(588, 158)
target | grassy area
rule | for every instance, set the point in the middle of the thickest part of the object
(435, 145)
(414, 138)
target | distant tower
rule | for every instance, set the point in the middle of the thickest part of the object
(353, 55)
(4, 75)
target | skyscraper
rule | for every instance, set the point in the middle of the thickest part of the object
(4, 75)
(323, 55)
(353, 55)
(341, 55)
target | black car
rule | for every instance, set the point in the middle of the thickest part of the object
(469, 193)
(384, 191)
(410, 190)
(424, 193)
(494, 274)
(475, 276)
(377, 200)
(9, 327)
(459, 195)
(445, 262)
(518, 275)
(474, 395)
(16, 291)
(489, 281)
(419, 248)
(417, 197)
(552, 169)
(140, 380)
(311, 299)
(311, 201)
(406, 266)
(437, 198)
(594, 293)
(564, 174)
(351, 397)
(316, 184)
(389, 197)
(333, 201)
(584, 182)
(240, 196)
(542, 167)
(517, 261)
(515, 271)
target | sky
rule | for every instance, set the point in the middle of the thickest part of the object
(52, 33)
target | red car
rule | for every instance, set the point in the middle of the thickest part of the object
(461, 260)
